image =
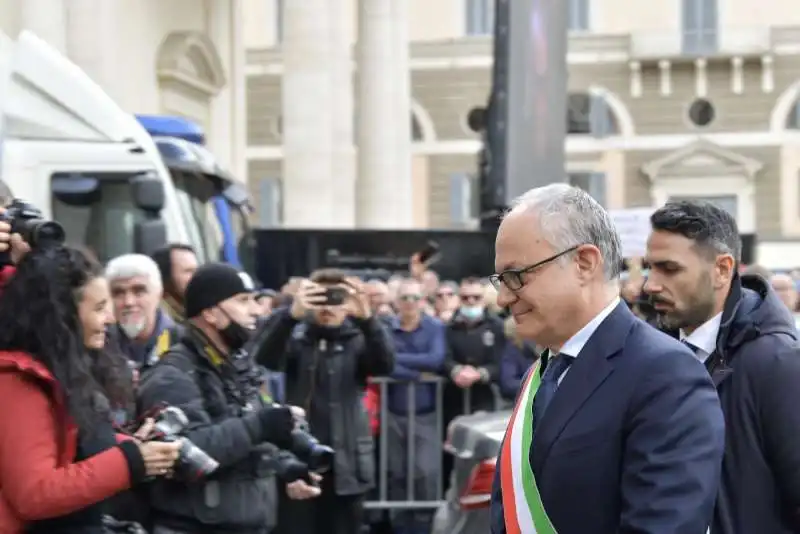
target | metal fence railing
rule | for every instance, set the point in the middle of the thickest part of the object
(412, 480)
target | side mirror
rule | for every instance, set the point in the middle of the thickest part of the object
(149, 236)
(76, 189)
(148, 193)
(236, 194)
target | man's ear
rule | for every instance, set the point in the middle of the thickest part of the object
(209, 317)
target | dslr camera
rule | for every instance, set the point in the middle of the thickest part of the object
(308, 449)
(193, 462)
(27, 221)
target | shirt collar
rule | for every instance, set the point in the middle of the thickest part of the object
(575, 344)
(705, 337)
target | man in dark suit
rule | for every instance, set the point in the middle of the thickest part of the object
(619, 430)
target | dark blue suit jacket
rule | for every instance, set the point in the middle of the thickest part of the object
(633, 440)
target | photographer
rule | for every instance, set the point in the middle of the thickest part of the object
(328, 343)
(228, 421)
(59, 455)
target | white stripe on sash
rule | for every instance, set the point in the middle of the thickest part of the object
(518, 456)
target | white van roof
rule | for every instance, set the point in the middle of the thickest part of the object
(51, 98)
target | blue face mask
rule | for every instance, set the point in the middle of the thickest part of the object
(472, 312)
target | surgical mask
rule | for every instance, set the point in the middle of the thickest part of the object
(132, 328)
(472, 312)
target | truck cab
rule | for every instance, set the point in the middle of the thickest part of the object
(70, 150)
(213, 203)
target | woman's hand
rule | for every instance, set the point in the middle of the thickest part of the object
(145, 430)
(159, 456)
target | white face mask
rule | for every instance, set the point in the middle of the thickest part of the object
(132, 328)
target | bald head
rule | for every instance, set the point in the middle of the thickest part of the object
(784, 286)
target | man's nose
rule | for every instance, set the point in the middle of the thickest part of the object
(651, 286)
(505, 297)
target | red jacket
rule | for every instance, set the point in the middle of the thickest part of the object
(38, 476)
(5, 275)
(372, 403)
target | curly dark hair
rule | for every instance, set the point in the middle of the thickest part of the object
(39, 311)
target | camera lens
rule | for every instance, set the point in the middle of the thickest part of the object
(39, 233)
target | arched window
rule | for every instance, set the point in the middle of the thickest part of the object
(793, 118)
(416, 130)
(589, 114)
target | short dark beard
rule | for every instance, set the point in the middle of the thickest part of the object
(700, 308)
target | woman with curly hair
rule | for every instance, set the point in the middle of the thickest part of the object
(59, 455)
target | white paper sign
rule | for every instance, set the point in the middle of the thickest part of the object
(633, 225)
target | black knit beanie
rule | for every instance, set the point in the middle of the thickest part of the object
(211, 284)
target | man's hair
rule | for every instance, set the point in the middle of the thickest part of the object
(713, 229)
(471, 280)
(131, 265)
(328, 276)
(569, 217)
(163, 258)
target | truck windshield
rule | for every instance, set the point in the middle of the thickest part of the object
(194, 199)
(106, 223)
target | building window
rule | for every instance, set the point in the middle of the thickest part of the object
(700, 27)
(793, 120)
(480, 17)
(278, 22)
(589, 114)
(578, 15)
(593, 183)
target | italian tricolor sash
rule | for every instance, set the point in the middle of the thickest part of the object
(522, 505)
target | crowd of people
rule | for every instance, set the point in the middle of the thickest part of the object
(281, 395)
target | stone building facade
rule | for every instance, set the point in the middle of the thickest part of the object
(656, 112)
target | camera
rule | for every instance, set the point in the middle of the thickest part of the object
(307, 448)
(335, 296)
(27, 221)
(193, 462)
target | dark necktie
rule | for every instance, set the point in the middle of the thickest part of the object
(556, 365)
(692, 348)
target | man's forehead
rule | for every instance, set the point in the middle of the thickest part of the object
(518, 243)
(128, 283)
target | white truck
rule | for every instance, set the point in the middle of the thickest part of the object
(70, 150)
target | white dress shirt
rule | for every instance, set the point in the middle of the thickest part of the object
(704, 339)
(575, 344)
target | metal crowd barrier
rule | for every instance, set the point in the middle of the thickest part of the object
(381, 499)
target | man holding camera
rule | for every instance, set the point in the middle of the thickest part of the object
(232, 424)
(328, 343)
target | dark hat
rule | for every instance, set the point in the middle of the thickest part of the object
(211, 284)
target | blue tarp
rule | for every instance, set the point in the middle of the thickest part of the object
(166, 126)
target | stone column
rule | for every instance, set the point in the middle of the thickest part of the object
(90, 30)
(341, 73)
(404, 218)
(47, 20)
(384, 190)
(308, 181)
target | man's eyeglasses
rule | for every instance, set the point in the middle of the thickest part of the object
(513, 279)
(410, 298)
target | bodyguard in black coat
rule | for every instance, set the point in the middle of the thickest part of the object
(746, 337)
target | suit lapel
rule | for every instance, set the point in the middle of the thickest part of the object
(590, 369)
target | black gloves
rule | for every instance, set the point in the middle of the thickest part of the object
(277, 424)
(289, 469)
